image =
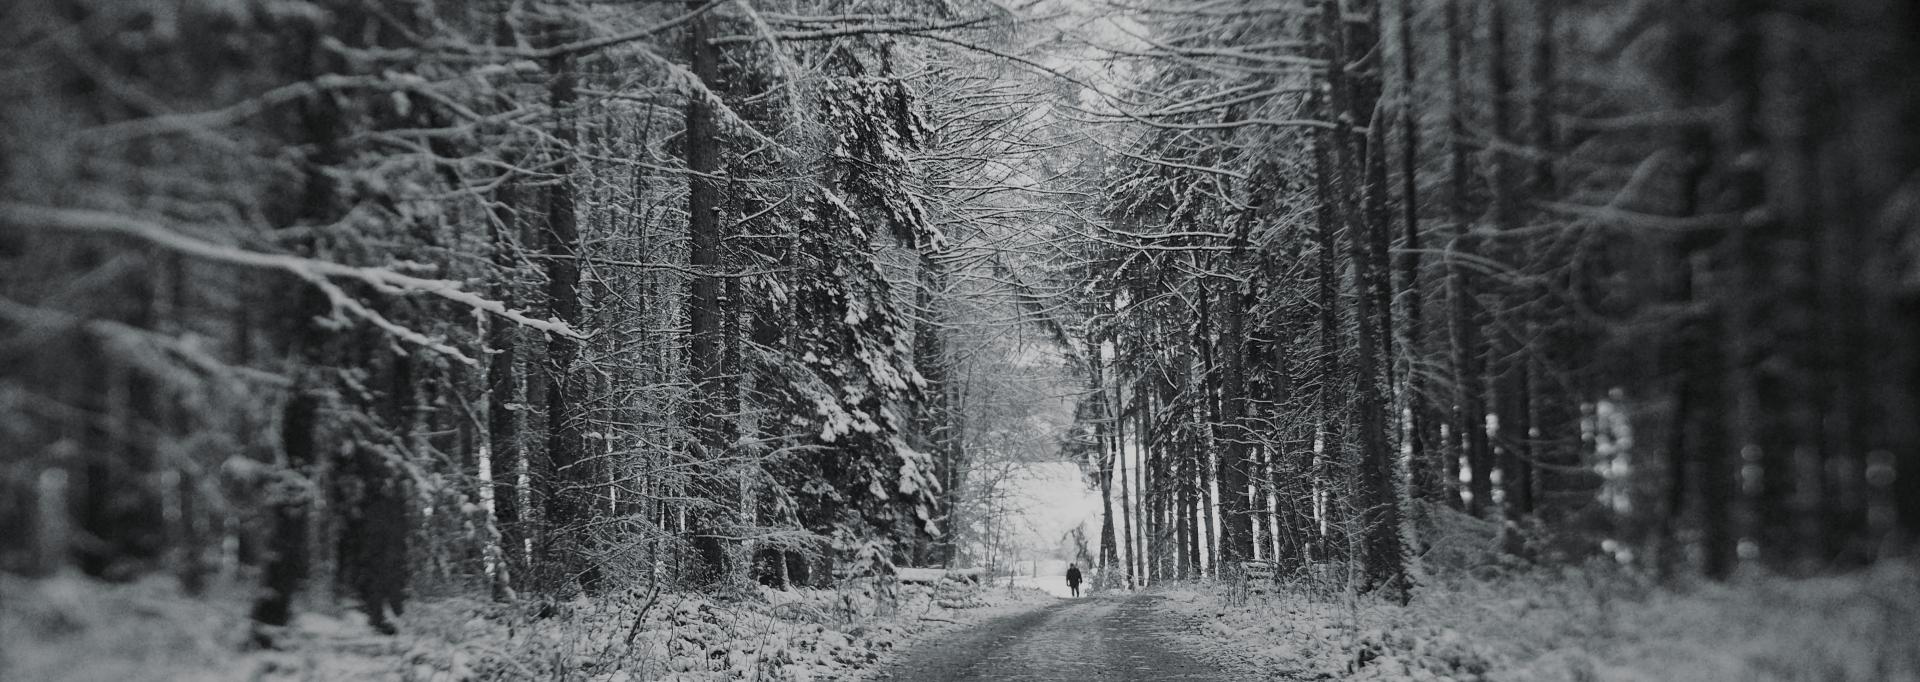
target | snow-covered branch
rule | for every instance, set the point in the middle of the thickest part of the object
(318, 272)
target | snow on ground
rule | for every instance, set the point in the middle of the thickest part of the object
(70, 628)
(1107, 638)
(1576, 626)
(1477, 615)
(1495, 619)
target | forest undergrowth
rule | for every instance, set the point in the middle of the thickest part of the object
(1483, 615)
(75, 628)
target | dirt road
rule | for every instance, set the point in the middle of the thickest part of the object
(1108, 638)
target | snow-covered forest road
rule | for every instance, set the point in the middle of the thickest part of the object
(1105, 637)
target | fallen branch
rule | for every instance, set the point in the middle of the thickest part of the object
(652, 596)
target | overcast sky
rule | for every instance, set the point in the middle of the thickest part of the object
(1054, 498)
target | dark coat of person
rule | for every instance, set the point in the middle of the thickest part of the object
(1073, 576)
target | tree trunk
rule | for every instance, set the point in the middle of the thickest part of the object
(1131, 567)
(507, 458)
(1107, 454)
(570, 472)
(704, 352)
(1324, 466)
(1424, 463)
(1469, 374)
(1236, 504)
(289, 557)
(1510, 351)
(1379, 502)
(287, 561)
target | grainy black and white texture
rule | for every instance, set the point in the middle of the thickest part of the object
(596, 339)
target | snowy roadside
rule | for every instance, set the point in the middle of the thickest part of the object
(68, 628)
(1577, 624)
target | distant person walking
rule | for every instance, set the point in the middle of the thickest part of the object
(1073, 579)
